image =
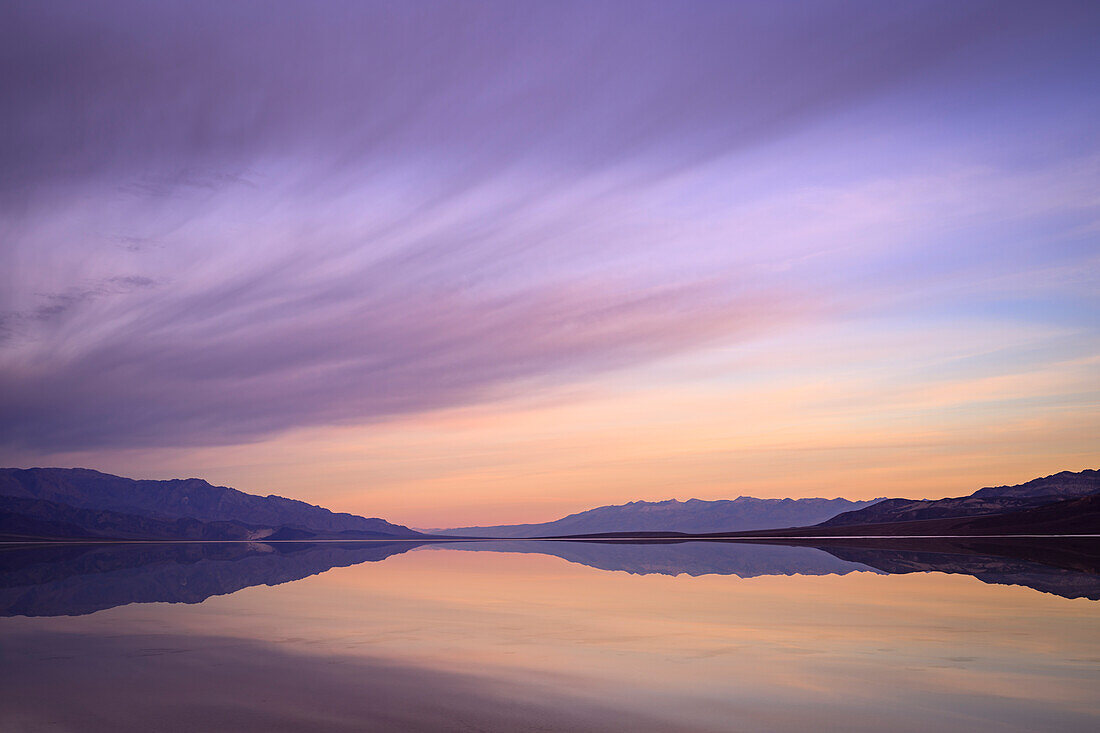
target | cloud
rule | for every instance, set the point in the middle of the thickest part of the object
(55, 306)
(222, 221)
(149, 90)
(235, 365)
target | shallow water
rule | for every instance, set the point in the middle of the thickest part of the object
(514, 636)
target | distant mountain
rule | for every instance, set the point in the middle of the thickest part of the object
(1064, 485)
(80, 503)
(1080, 516)
(38, 519)
(997, 500)
(693, 516)
(1039, 507)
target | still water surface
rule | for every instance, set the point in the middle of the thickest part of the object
(528, 636)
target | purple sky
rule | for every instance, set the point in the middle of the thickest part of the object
(225, 222)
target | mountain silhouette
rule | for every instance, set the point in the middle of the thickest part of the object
(995, 500)
(693, 517)
(81, 503)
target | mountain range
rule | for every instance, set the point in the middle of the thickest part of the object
(70, 503)
(995, 500)
(81, 504)
(1077, 516)
(1062, 503)
(693, 516)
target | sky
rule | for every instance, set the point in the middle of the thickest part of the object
(470, 262)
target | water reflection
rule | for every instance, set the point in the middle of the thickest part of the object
(76, 579)
(72, 580)
(192, 682)
(1063, 566)
(1067, 567)
(511, 637)
(663, 557)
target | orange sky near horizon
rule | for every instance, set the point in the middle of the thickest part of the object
(853, 412)
(476, 265)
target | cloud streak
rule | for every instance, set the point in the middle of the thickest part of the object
(225, 221)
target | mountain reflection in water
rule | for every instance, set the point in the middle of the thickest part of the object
(548, 636)
(75, 579)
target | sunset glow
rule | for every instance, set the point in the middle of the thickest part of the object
(477, 265)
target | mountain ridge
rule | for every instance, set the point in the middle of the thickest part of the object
(987, 501)
(84, 504)
(109, 506)
(1075, 517)
(694, 515)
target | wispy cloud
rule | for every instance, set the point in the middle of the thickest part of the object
(221, 222)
